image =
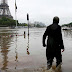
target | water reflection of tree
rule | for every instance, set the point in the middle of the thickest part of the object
(67, 33)
(5, 44)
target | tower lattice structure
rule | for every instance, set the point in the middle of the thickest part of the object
(4, 9)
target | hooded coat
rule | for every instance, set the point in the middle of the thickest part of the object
(54, 40)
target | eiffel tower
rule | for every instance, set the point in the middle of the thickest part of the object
(4, 9)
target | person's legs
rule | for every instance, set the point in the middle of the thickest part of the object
(58, 57)
(50, 58)
(49, 62)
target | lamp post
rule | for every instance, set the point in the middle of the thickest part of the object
(28, 22)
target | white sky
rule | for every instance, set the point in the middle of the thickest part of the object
(42, 10)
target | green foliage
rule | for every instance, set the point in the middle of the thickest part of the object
(7, 22)
(68, 25)
(38, 25)
(22, 24)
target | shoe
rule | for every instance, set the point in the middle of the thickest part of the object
(59, 64)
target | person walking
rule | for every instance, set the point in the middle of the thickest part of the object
(54, 43)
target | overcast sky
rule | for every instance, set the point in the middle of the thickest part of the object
(42, 10)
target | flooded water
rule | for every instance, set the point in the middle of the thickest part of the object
(19, 53)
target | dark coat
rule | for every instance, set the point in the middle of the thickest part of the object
(54, 41)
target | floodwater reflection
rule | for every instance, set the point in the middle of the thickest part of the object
(19, 52)
(28, 46)
(16, 56)
(5, 44)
